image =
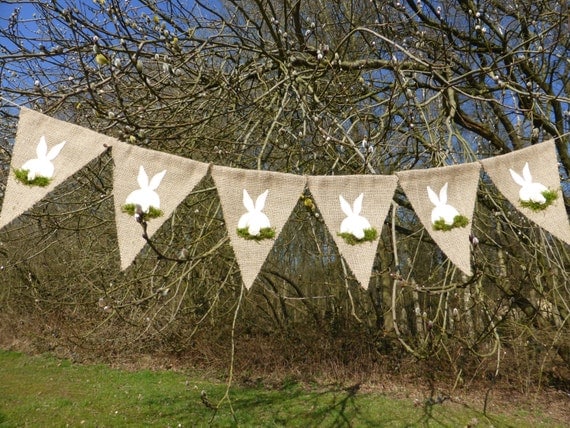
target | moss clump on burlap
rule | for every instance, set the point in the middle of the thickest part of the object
(549, 195)
(264, 233)
(131, 209)
(22, 176)
(369, 236)
(458, 221)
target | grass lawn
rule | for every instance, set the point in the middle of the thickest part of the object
(42, 391)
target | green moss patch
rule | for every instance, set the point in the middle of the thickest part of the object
(265, 233)
(369, 235)
(153, 212)
(549, 195)
(458, 221)
(22, 176)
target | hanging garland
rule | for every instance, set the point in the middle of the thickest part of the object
(148, 185)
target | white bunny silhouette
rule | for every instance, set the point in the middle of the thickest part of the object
(442, 210)
(354, 223)
(42, 166)
(146, 196)
(529, 192)
(254, 220)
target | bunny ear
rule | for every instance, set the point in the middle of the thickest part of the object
(55, 151)
(526, 173)
(432, 196)
(517, 178)
(41, 150)
(155, 181)
(357, 205)
(260, 201)
(142, 178)
(248, 202)
(443, 194)
(345, 206)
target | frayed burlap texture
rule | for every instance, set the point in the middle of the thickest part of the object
(378, 191)
(182, 175)
(81, 147)
(543, 166)
(284, 193)
(461, 194)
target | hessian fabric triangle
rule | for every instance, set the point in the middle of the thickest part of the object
(150, 183)
(256, 205)
(444, 199)
(354, 208)
(46, 152)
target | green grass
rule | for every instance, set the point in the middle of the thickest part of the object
(47, 392)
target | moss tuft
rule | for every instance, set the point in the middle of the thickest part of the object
(458, 221)
(22, 177)
(549, 195)
(369, 235)
(265, 233)
(152, 211)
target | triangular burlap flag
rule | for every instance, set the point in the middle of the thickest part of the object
(354, 214)
(40, 155)
(452, 195)
(148, 178)
(541, 167)
(245, 203)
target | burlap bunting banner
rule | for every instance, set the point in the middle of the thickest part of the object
(259, 203)
(157, 182)
(534, 171)
(444, 200)
(46, 152)
(354, 221)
